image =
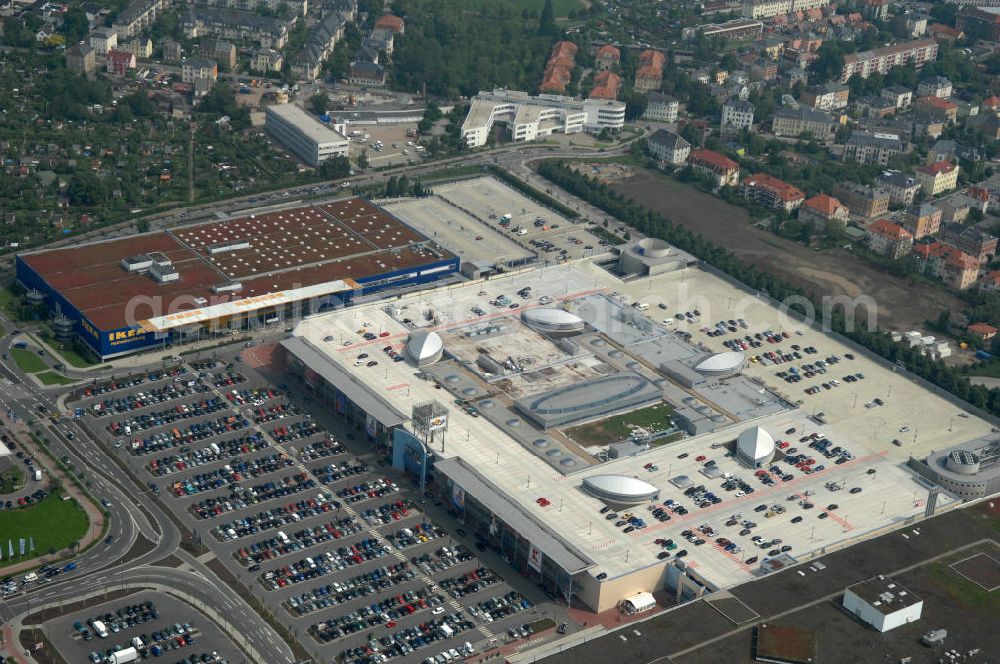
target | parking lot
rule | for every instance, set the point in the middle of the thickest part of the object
(336, 549)
(510, 213)
(385, 145)
(155, 625)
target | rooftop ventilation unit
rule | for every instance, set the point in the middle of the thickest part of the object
(231, 287)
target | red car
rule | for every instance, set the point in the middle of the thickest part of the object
(700, 457)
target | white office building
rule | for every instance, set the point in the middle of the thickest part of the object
(883, 603)
(311, 140)
(530, 118)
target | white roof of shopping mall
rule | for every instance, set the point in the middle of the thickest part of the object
(572, 516)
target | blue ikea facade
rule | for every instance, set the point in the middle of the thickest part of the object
(109, 343)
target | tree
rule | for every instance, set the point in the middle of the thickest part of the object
(363, 159)
(86, 189)
(317, 103)
(335, 168)
(829, 62)
(75, 24)
(547, 22)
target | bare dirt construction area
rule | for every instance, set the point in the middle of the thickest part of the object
(902, 303)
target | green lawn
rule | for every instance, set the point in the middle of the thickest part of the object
(74, 358)
(53, 524)
(561, 7)
(11, 480)
(619, 427)
(7, 300)
(28, 361)
(52, 378)
(965, 591)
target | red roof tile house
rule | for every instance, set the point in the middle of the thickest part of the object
(608, 56)
(120, 62)
(887, 239)
(821, 209)
(771, 192)
(724, 170)
(392, 23)
(649, 75)
(557, 74)
(606, 85)
(937, 107)
(982, 331)
(952, 266)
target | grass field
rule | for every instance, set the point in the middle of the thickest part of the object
(28, 361)
(561, 7)
(619, 427)
(964, 591)
(52, 378)
(53, 524)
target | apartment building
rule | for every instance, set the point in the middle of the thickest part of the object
(308, 62)
(771, 8)
(558, 68)
(771, 192)
(938, 108)
(897, 95)
(881, 60)
(935, 86)
(297, 7)
(826, 97)
(739, 29)
(802, 120)
(737, 114)
(887, 239)
(118, 63)
(138, 16)
(902, 188)
(266, 60)
(721, 168)
(978, 21)
(937, 178)
(366, 73)
(81, 58)
(103, 40)
(661, 108)
(972, 240)
(668, 147)
(862, 200)
(869, 147)
(266, 32)
(953, 266)
(922, 220)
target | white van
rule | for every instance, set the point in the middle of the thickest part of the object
(641, 306)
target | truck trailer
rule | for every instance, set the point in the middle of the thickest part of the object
(124, 656)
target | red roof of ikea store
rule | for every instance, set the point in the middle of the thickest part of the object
(291, 248)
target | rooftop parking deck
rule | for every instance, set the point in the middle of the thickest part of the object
(888, 495)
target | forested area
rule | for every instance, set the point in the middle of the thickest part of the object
(459, 47)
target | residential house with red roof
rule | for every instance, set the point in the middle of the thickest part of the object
(606, 85)
(649, 74)
(888, 239)
(724, 170)
(953, 266)
(558, 69)
(119, 62)
(771, 192)
(821, 209)
(981, 331)
(937, 107)
(607, 56)
(990, 282)
(392, 23)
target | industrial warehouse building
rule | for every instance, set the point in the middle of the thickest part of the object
(311, 140)
(126, 295)
(882, 603)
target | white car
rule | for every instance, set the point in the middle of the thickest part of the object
(438, 611)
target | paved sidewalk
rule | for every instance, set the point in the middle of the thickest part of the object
(11, 647)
